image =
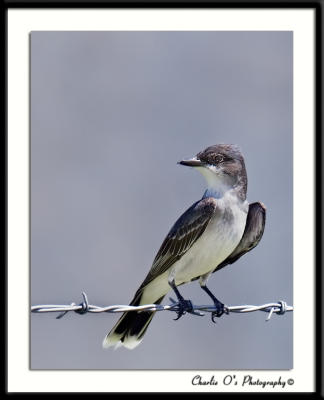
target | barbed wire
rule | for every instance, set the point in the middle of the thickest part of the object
(279, 308)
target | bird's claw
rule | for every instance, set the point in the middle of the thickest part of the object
(184, 306)
(220, 310)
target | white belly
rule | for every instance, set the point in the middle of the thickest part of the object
(220, 238)
(217, 242)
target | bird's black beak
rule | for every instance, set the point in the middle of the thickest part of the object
(193, 162)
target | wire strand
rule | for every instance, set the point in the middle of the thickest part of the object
(279, 308)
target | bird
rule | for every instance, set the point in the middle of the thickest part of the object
(214, 232)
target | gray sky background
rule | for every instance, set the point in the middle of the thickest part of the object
(111, 114)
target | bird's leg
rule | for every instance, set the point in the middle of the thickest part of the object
(220, 307)
(184, 305)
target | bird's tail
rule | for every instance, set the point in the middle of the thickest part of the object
(131, 326)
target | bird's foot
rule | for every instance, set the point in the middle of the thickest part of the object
(184, 306)
(220, 310)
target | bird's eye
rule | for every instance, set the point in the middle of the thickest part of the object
(219, 158)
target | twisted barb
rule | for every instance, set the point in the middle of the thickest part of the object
(279, 308)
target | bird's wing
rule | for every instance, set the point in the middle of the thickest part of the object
(254, 227)
(184, 233)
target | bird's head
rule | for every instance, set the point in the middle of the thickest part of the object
(223, 167)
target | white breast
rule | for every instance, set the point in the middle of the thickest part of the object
(220, 238)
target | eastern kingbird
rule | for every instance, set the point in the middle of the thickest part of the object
(214, 232)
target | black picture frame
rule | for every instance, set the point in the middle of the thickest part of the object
(318, 7)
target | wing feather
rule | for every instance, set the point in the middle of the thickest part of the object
(254, 228)
(184, 233)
